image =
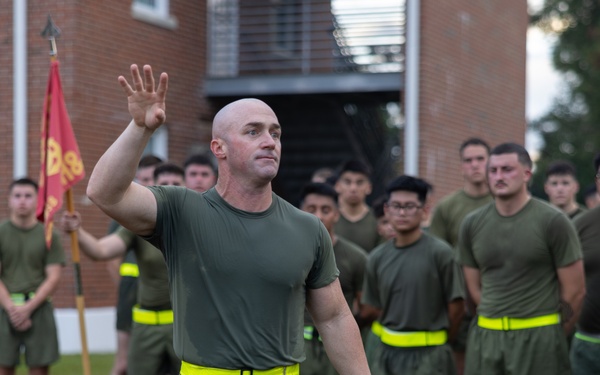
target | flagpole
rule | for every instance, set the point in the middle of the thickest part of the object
(51, 32)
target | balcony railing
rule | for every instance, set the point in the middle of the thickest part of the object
(248, 38)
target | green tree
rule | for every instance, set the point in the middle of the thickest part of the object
(571, 128)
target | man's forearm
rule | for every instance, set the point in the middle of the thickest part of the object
(5, 300)
(116, 169)
(344, 346)
(570, 308)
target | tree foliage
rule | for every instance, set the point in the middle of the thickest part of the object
(571, 128)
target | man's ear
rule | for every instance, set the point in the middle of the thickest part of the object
(218, 148)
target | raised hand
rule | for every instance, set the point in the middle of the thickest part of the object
(146, 105)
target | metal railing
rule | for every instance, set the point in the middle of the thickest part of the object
(305, 37)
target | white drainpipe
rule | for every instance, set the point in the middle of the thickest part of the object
(411, 98)
(20, 89)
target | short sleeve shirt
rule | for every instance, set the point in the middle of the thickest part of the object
(153, 290)
(362, 232)
(517, 257)
(239, 279)
(413, 285)
(588, 228)
(450, 212)
(24, 256)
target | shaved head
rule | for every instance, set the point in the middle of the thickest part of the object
(236, 113)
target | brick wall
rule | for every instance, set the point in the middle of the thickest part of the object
(99, 41)
(472, 81)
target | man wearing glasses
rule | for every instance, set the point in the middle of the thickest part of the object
(412, 289)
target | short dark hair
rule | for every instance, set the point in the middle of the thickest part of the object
(474, 142)
(355, 166)
(378, 204)
(513, 148)
(411, 184)
(149, 161)
(561, 167)
(168, 168)
(23, 181)
(590, 191)
(199, 159)
(319, 188)
(597, 162)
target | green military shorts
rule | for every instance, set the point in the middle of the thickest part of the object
(40, 341)
(429, 360)
(541, 350)
(149, 348)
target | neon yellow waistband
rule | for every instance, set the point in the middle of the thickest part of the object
(584, 337)
(191, 369)
(409, 339)
(309, 333)
(19, 299)
(129, 270)
(152, 318)
(511, 324)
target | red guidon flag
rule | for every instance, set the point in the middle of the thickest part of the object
(61, 166)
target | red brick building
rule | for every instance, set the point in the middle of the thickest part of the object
(334, 99)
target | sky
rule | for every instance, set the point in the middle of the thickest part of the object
(543, 82)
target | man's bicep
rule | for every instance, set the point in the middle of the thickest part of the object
(53, 271)
(572, 275)
(325, 303)
(136, 211)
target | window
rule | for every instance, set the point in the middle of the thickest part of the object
(153, 11)
(285, 22)
(159, 144)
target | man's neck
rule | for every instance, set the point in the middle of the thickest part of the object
(476, 190)
(23, 222)
(255, 199)
(354, 213)
(512, 205)
(408, 238)
(570, 208)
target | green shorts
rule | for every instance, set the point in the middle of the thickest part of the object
(541, 350)
(40, 341)
(149, 348)
(430, 360)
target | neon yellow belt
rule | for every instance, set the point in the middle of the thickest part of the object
(191, 369)
(19, 299)
(152, 318)
(584, 337)
(129, 269)
(511, 324)
(309, 333)
(409, 339)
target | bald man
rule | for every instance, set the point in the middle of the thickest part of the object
(242, 262)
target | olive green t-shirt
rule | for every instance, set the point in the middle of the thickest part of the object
(588, 228)
(351, 261)
(450, 212)
(153, 287)
(580, 210)
(24, 256)
(362, 232)
(413, 285)
(517, 257)
(239, 279)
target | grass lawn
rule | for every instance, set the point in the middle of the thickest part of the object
(101, 364)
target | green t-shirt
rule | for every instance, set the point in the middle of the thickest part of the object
(351, 261)
(580, 210)
(362, 232)
(517, 257)
(588, 228)
(450, 212)
(153, 288)
(239, 279)
(413, 285)
(24, 256)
